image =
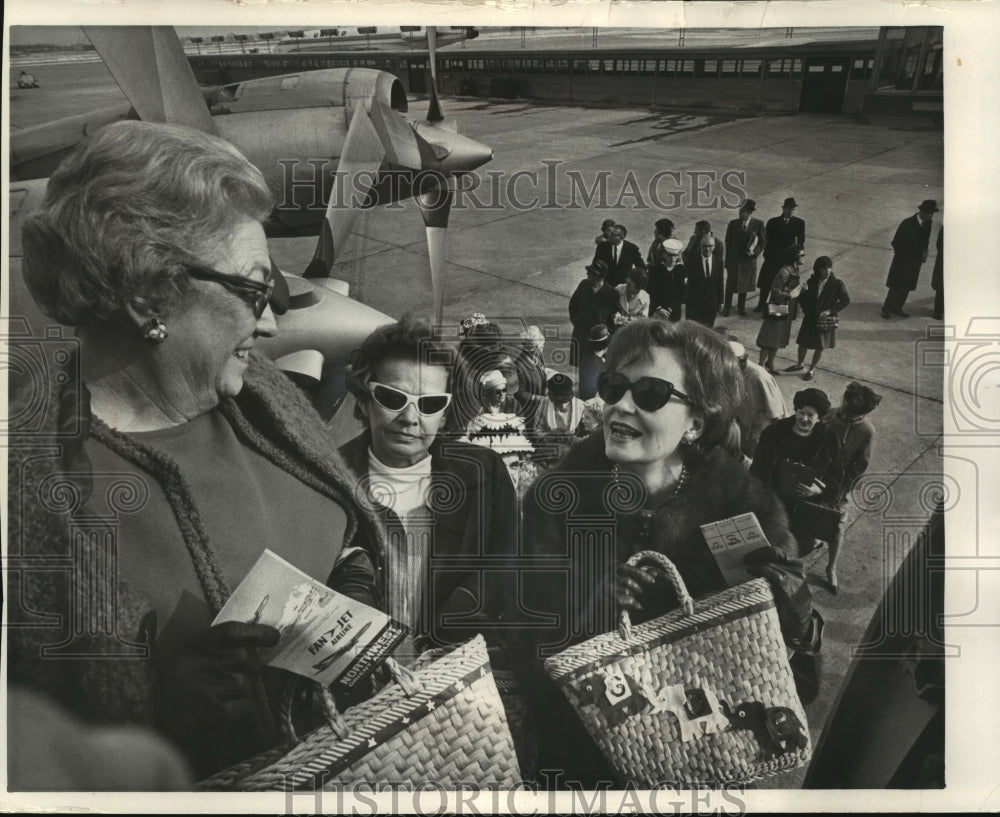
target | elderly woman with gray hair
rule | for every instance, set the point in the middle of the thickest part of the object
(149, 242)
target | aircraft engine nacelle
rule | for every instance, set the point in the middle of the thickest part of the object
(339, 87)
(293, 128)
(296, 150)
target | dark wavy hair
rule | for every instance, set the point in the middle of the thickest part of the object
(823, 262)
(712, 376)
(128, 211)
(411, 340)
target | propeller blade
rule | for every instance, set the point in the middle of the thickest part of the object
(435, 207)
(150, 67)
(362, 153)
(434, 108)
(396, 134)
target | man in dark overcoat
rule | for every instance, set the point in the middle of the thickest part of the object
(703, 296)
(909, 251)
(781, 232)
(745, 241)
(620, 256)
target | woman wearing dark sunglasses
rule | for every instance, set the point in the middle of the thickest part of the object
(196, 451)
(439, 500)
(658, 469)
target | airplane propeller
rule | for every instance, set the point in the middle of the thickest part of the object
(432, 145)
(429, 152)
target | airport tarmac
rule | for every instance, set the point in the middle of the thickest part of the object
(517, 252)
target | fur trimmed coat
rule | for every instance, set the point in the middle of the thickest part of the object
(573, 510)
(94, 657)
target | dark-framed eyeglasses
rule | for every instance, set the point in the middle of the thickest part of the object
(256, 293)
(395, 400)
(648, 393)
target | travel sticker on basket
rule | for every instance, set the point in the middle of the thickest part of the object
(777, 729)
(620, 694)
(616, 693)
(696, 708)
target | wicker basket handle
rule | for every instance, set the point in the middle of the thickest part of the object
(673, 575)
(403, 676)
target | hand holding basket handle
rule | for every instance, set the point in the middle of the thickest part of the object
(648, 574)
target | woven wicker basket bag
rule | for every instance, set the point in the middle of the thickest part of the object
(703, 694)
(450, 729)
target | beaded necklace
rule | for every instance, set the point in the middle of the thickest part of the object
(646, 516)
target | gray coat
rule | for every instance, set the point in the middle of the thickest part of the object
(738, 242)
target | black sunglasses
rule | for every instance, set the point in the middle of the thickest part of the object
(255, 293)
(649, 393)
(396, 400)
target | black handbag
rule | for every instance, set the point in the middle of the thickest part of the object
(812, 520)
(790, 474)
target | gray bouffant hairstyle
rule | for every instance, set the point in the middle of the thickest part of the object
(127, 211)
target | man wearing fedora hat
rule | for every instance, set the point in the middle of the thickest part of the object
(593, 302)
(781, 232)
(745, 241)
(909, 251)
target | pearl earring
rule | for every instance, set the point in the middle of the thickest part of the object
(154, 330)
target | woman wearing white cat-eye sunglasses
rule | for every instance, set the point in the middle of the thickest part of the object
(435, 495)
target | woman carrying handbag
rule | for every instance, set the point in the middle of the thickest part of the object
(799, 458)
(781, 308)
(822, 300)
